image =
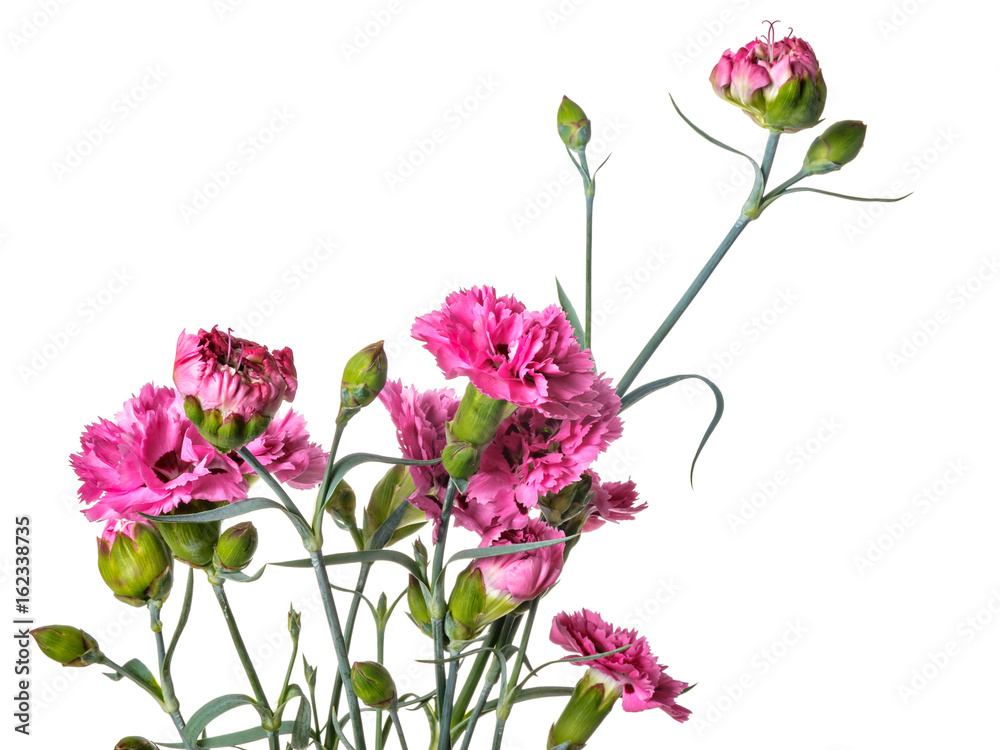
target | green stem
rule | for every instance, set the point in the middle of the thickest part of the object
(166, 681)
(588, 191)
(324, 488)
(380, 658)
(399, 729)
(437, 589)
(352, 616)
(491, 680)
(509, 697)
(339, 646)
(800, 175)
(241, 649)
(121, 670)
(475, 674)
(682, 304)
(769, 149)
(446, 708)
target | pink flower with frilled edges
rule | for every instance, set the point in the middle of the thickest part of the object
(286, 452)
(644, 684)
(233, 375)
(510, 353)
(752, 77)
(150, 459)
(611, 501)
(523, 575)
(533, 455)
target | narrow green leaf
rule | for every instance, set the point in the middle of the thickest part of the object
(574, 318)
(239, 576)
(233, 739)
(239, 508)
(835, 195)
(300, 730)
(478, 553)
(181, 621)
(369, 556)
(720, 144)
(384, 532)
(141, 672)
(214, 709)
(641, 392)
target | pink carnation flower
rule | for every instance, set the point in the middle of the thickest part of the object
(509, 353)
(285, 451)
(150, 459)
(533, 455)
(643, 682)
(611, 501)
(233, 375)
(523, 576)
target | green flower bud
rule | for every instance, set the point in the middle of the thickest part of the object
(364, 377)
(294, 623)
(593, 698)
(191, 543)
(839, 144)
(309, 671)
(373, 685)
(135, 743)
(67, 645)
(342, 503)
(560, 507)
(420, 554)
(466, 606)
(392, 489)
(236, 546)
(478, 417)
(460, 459)
(573, 125)
(225, 433)
(137, 569)
(419, 613)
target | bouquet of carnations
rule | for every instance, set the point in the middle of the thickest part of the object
(510, 458)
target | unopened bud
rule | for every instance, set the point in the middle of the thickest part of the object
(137, 567)
(191, 543)
(373, 685)
(395, 487)
(67, 645)
(343, 503)
(573, 125)
(419, 613)
(294, 623)
(135, 743)
(839, 144)
(236, 546)
(466, 606)
(593, 698)
(364, 377)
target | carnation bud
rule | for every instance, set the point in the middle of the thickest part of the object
(364, 377)
(137, 569)
(191, 543)
(392, 489)
(342, 503)
(473, 427)
(135, 743)
(569, 502)
(227, 432)
(236, 546)
(573, 125)
(466, 606)
(420, 555)
(593, 698)
(419, 613)
(67, 645)
(294, 623)
(309, 671)
(373, 685)
(839, 144)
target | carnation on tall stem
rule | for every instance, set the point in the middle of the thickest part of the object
(643, 683)
(150, 459)
(510, 353)
(232, 386)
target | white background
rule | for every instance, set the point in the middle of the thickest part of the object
(802, 619)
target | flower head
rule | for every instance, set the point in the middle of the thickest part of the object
(523, 576)
(150, 459)
(611, 501)
(534, 455)
(284, 449)
(233, 386)
(510, 353)
(644, 684)
(779, 84)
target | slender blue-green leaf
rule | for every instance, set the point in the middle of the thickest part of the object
(641, 392)
(388, 527)
(233, 739)
(141, 672)
(574, 318)
(573, 660)
(717, 142)
(345, 464)
(239, 508)
(834, 195)
(181, 621)
(214, 709)
(300, 730)
(239, 576)
(365, 556)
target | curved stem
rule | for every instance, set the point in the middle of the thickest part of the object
(324, 487)
(352, 616)
(772, 194)
(339, 646)
(509, 697)
(170, 703)
(682, 304)
(241, 649)
(394, 715)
